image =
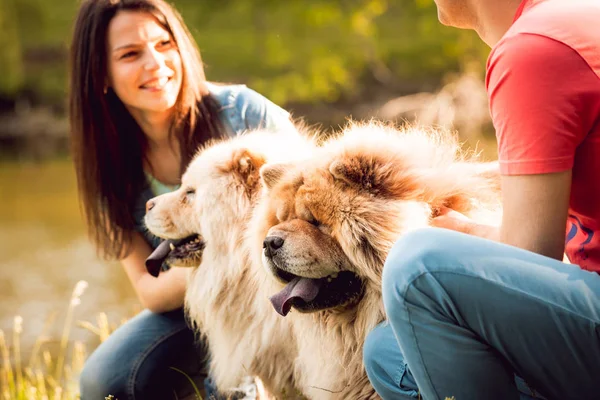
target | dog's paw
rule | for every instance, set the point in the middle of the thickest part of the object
(247, 390)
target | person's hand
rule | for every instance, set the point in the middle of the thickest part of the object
(451, 219)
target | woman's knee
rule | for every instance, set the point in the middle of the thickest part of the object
(125, 363)
(99, 379)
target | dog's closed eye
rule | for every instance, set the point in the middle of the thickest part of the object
(309, 217)
(313, 221)
(189, 194)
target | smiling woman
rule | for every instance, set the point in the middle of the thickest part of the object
(144, 65)
(139, 108)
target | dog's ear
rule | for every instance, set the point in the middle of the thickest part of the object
(272, 173)
(376, 175)
(246, 165)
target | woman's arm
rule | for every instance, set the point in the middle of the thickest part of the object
(161, 294)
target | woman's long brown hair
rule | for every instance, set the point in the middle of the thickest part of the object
(108, 146)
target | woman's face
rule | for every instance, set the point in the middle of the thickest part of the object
(144, 65)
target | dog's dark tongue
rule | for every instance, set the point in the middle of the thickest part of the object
(155, 260)
(299, 288)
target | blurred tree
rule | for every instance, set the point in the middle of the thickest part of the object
(302, 51)
(12, 76)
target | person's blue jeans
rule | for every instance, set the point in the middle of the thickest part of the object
(134, 362)
(476, 319)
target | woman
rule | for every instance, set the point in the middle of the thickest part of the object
(139, 108)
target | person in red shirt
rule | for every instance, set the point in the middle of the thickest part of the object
(480, 312)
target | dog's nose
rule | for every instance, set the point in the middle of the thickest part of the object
(150, 205)
(272, 243)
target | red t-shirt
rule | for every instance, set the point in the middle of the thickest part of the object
(543, 81)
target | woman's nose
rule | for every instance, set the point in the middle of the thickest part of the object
(154, 60)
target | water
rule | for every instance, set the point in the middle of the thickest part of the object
(44, 252)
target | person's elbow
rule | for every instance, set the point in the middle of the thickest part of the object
(154, 299)
(150, 302)
(159, 305)
(154, 305)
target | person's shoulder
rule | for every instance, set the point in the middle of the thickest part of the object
(555, 9)
(226, 95)
(527, 54)
(544, 66)
(557, 14)
(528, 46)
(572, 23)
(244, 108)
(234, 95)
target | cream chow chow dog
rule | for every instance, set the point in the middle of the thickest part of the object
(324, 227)
(204, 222)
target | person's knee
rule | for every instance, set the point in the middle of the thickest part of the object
(376, 344)
(96, 382)
(385, 365)
(411, 256)
(419, 252)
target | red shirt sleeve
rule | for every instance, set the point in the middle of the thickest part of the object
(537, 92)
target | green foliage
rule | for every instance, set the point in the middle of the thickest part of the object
(12, 75)
(292, 51)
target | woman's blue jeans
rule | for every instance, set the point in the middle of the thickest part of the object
(133, 363)
(476, 319)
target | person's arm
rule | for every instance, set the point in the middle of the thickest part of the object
(535, 212)
(529, 220)
(161, 294)
(538, 91)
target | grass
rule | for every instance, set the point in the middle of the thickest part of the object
(196, 390)
(45, 376)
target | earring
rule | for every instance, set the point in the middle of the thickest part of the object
(105, 89)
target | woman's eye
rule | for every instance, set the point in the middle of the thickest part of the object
(165, 43)
(128, 54)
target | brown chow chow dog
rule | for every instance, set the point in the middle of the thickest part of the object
(205, 221)
(324, 227)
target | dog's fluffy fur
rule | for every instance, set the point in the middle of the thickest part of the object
(336, 217)
(338, 209)
(224, 299)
